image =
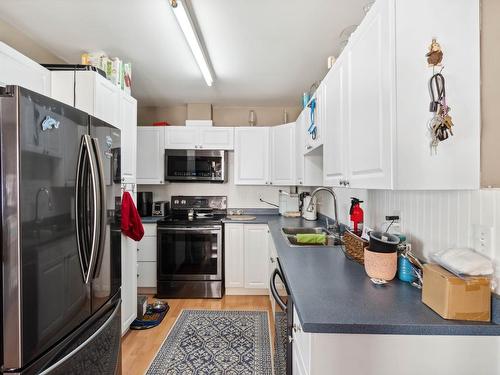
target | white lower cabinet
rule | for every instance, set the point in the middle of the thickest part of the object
(234, 247)
(146, 258)
(246, 258)
(129, 282)
(256, 255)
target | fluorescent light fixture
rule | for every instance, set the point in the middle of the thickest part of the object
(187, 26)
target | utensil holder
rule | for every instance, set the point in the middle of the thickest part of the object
(381, 265)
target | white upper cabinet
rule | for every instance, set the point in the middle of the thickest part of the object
(151, 155)
(251, 156)
(128, 125)
(377, 100)
(283, 154)
(335, 126)
(17, 69)
(314, 119)
(94, 94)
(370, 93)
(199, 137)
(216, 138)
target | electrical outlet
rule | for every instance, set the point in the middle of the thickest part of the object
(483, 240)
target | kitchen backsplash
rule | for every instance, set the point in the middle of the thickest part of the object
(432, 220)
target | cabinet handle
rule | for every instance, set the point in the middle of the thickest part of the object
(309, 147)
(271, 259)
(270, 183)
(300, 182)
(347, 183)
(290, 339)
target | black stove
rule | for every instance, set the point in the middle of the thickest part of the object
(190, 248)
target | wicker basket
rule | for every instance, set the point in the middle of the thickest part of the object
(354, 246)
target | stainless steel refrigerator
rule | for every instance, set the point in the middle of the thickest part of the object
(61, 245)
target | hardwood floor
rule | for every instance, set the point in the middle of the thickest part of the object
(140, 347)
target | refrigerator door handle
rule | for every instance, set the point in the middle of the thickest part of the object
(86, 166)
(85, 343)
(81, 221)
(99, 248)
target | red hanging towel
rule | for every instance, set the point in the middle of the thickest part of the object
(131, 221)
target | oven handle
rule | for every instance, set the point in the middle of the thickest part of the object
(191, 229)
(274, 291)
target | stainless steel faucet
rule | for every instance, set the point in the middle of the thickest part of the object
(49, 202)
(335, 227)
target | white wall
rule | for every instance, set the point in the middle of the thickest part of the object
(436, 220)
(238, 196)
(431, 220)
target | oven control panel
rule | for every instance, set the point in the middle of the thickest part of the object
(180, 202)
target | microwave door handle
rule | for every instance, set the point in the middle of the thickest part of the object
(101, 205)
(274, 291)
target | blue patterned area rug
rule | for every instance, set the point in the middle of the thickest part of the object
(280, 343)
(216, 342)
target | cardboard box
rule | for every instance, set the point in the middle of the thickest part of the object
(455, 298)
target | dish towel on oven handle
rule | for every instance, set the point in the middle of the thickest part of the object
(131, 220)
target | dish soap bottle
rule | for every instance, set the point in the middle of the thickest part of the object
(356, 216)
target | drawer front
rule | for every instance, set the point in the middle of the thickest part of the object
(149, 230)
(146, 250)
(146, 274)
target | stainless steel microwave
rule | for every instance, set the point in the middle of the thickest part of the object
(196, 165)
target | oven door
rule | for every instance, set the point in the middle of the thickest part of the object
(283, 322)
(190, 253)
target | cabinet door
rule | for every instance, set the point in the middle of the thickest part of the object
(128, 125)
(218, 138)
(234, 269)
(299, 147)
(251, 156)
(370, 60)
(182, 137)
(333, 127)
(256, 256)
(283, 154)
(18, 69)
(150, 155)
(129, 282)
(146, 274)
(106, 101)
(314, 141)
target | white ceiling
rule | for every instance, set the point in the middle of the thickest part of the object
(263, 52)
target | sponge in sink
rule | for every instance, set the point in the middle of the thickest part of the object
(312, 239)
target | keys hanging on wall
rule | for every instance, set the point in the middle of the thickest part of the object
(441, 124)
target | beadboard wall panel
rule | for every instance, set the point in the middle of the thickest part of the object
(437, 220)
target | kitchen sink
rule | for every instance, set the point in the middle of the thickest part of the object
(290, 235)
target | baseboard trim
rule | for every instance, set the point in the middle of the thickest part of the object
(246, 292)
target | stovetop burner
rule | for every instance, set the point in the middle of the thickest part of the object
(196, 210)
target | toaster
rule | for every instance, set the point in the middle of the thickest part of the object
(160, 208)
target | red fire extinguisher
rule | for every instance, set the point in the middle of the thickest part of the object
(356, 215)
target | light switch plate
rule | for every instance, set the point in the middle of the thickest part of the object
(483, 240)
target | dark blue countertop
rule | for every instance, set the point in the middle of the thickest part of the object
(151, 219)
(334, 295)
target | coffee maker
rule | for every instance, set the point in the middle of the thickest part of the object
(145, 203)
